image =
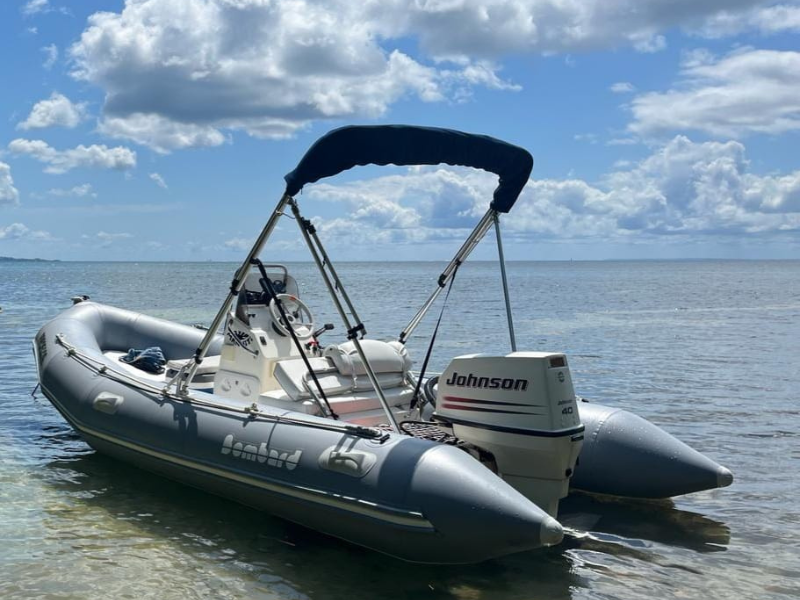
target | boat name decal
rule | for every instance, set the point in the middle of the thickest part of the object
(41, 347)
(242, 339)
(491, 383)
(261, 453)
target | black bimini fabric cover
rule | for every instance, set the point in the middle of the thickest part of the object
(344, 148)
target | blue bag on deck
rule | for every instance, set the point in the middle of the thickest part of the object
(150, 359)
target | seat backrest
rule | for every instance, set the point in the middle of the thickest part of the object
(384, 357)
(340, 370)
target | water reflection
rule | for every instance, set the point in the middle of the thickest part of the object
(124, 515)
(121, 513)
(614, 519)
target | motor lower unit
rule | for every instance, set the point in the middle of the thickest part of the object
(521, 409)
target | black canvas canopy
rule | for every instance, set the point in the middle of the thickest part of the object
(347, 147)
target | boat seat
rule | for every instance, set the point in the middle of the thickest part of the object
(384, 357)
(294, 378)
(341, 371)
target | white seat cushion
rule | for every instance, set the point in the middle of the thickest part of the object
(385, 357)
(293, 377)
(385, 380)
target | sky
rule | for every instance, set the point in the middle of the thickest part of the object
(162, 129)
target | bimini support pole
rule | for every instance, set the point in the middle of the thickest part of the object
(505, 282)
(185, 375)
(309, 234)
(466, 249)
(337, 284)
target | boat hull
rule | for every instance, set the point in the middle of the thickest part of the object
(410, 498)
(626, 455)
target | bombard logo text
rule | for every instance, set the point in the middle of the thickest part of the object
(260, 453)
(490, 383)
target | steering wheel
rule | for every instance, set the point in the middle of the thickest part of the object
(301, 321)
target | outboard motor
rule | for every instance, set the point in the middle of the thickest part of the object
(521, 410)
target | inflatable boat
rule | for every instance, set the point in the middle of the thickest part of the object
(347, 438)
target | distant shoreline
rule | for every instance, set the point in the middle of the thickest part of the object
(12, 259)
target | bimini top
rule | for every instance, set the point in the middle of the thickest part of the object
(344, 148)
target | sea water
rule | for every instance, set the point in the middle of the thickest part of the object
(708, 350)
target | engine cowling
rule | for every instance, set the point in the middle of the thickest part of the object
(520, 408)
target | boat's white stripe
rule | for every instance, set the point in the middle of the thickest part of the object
(357, 505)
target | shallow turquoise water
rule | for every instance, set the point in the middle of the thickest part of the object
(709, 350)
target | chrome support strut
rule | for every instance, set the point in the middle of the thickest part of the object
(324, 265)
(185, 375)
(466, 249)
(505, 282)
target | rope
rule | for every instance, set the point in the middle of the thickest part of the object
(415, 397)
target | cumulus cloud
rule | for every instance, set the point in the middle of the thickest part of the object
(427, 204)
(179, 73)
(159, 180)
(19, 231)
(683, 188)
(494, 28)
(186, 73)
(775, 194)
(442, 198)
(79, 191)
(763, 19)
(622, 87)
(56, 110)
(745, 92)
(648, 42)
(61, 161)
(33, 7)
(483, 29)
(50, 56)
(161, 133)
(9, 195)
